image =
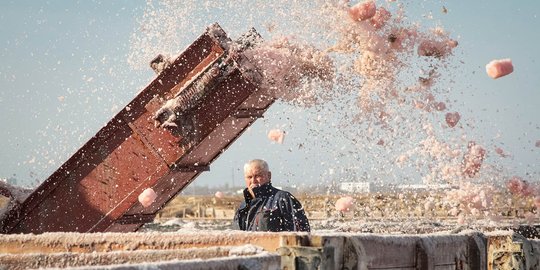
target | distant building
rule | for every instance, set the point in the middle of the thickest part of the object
(354, 187)
(417, 187)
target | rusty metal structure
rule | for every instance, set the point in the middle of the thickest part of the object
(198, 105)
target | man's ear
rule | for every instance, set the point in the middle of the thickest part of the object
(269, 176)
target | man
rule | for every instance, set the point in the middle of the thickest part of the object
(267, 208)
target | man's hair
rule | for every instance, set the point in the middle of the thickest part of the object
(259, 163)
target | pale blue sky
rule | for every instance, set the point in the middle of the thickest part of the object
(65, 74)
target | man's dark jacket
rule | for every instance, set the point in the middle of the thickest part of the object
(271, 210)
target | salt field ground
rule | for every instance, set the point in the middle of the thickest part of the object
(384, 213)
(194, 232)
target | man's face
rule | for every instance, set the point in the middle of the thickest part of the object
(256, 176)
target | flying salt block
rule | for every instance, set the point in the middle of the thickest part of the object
(362, 11)
(498, 68)
(219, 195)
(452, 119)
(147, 197)
(345, 204)
(473, 159)
(380, 18)
(537, 144)
(276, 135)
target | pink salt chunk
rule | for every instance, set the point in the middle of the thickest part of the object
(362, 11)
(276, 135)
(537, 144)
(452, 119)
(147, 197)
(498, 68)
(380, 18)
(345, 204)
(219, 195)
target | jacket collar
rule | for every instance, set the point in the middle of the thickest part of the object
(260, 192)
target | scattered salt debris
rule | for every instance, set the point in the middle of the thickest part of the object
(498, 68)
(364, 51)
(470, 199)
(288, 67)
(436, 48)
(276, 135)
(147, 197)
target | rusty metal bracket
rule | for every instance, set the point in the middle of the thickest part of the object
(249, 113)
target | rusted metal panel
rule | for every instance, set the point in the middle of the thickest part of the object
(96, 189)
